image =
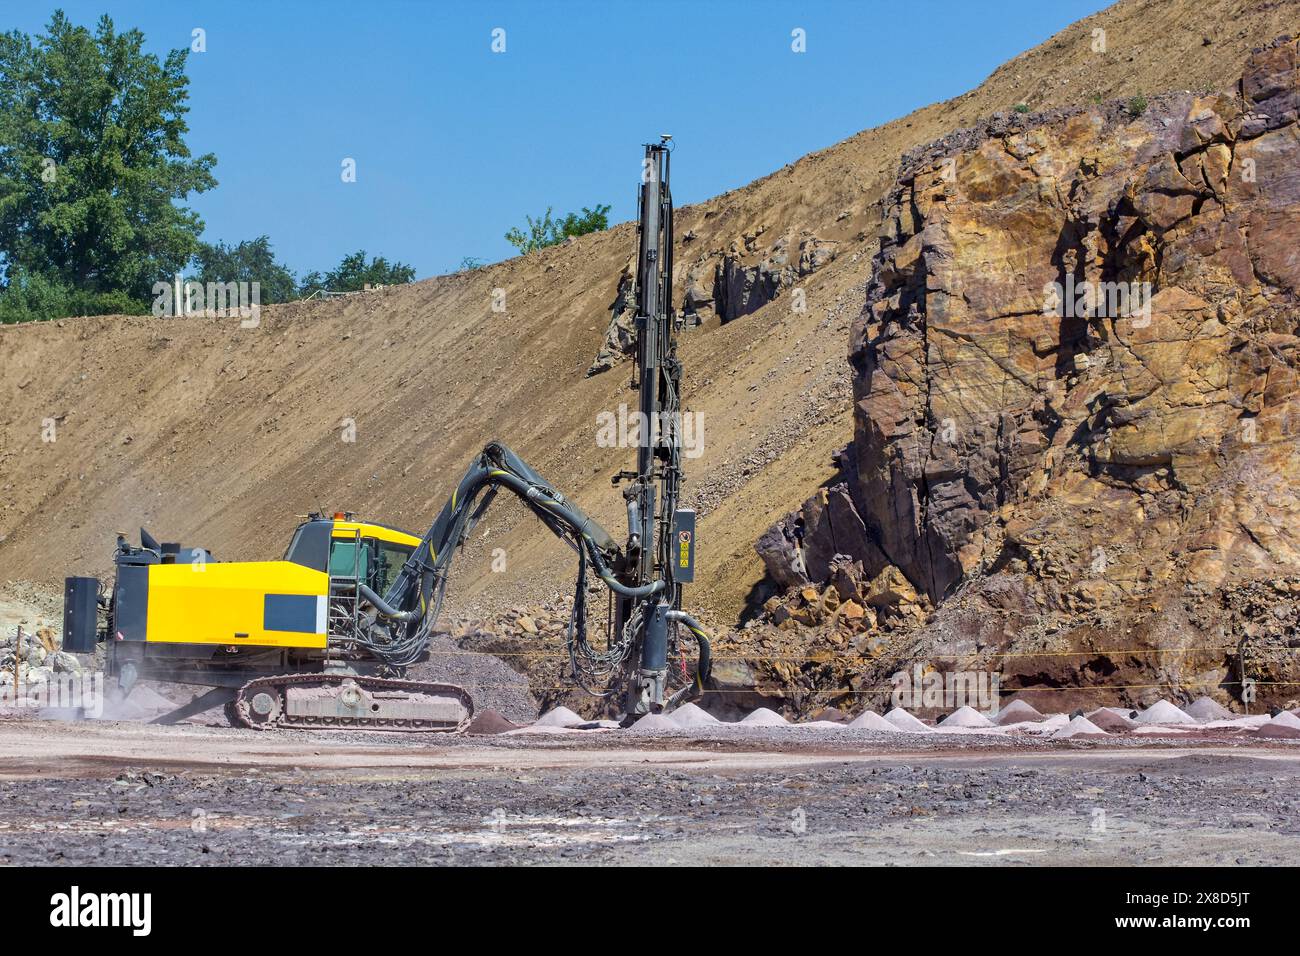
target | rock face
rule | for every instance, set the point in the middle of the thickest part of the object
(1076, 398)
(997, 372)
(620, 334)
(731, 284)
(799, 549)
(740, 289)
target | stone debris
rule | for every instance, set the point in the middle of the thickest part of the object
(966, 717)
(904, 721)
(1163, 712)
(1282, 733)
(490, 681)
(1285, 719)
(1016, 712)
(39, 658)
(1079, 726)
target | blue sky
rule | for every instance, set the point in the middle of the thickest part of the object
(454, 143)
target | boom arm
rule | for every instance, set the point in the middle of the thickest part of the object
(406, 615)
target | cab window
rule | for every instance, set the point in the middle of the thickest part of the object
(389, 558)
(350, 557)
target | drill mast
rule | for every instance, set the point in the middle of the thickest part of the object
(655, 526)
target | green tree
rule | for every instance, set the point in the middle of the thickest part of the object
(93, 164)
(548, 231)
(591, 220)
(354, 274)
(30, 297)
(538, 236)
(250, 261)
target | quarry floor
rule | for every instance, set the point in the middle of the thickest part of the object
(104, 792)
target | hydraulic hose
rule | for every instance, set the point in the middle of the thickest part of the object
(704, 669)
(386, 609)
(582, 525)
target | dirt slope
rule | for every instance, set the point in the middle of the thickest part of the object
(218, 435)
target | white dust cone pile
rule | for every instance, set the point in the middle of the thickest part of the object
(869, 720)
(559, 717)
(1017, 717)
(692, 715)
(905, 721)
(654, 724)
(1080, 726)
(765, 718)
(1206, 708)
(1163, 712)
(966, 717)
(1017, 712)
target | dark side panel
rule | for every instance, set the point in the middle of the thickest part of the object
(80, 623)
(131, 602)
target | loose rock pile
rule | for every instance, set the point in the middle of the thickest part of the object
(39, 657)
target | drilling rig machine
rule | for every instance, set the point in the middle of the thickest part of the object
(322, 639)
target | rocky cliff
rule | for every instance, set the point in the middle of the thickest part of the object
(1076, 411)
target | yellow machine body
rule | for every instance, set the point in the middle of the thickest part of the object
(349, 529)
(267, 603)
(184, 599)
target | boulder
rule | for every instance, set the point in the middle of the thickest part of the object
(889, 588)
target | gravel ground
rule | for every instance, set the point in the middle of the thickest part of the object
(105, 792)
(490, 681)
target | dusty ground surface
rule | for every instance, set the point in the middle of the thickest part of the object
(101, 793)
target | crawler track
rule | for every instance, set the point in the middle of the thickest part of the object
(350, 702)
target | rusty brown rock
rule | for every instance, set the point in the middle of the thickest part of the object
(851, 610)
(1077, 408)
